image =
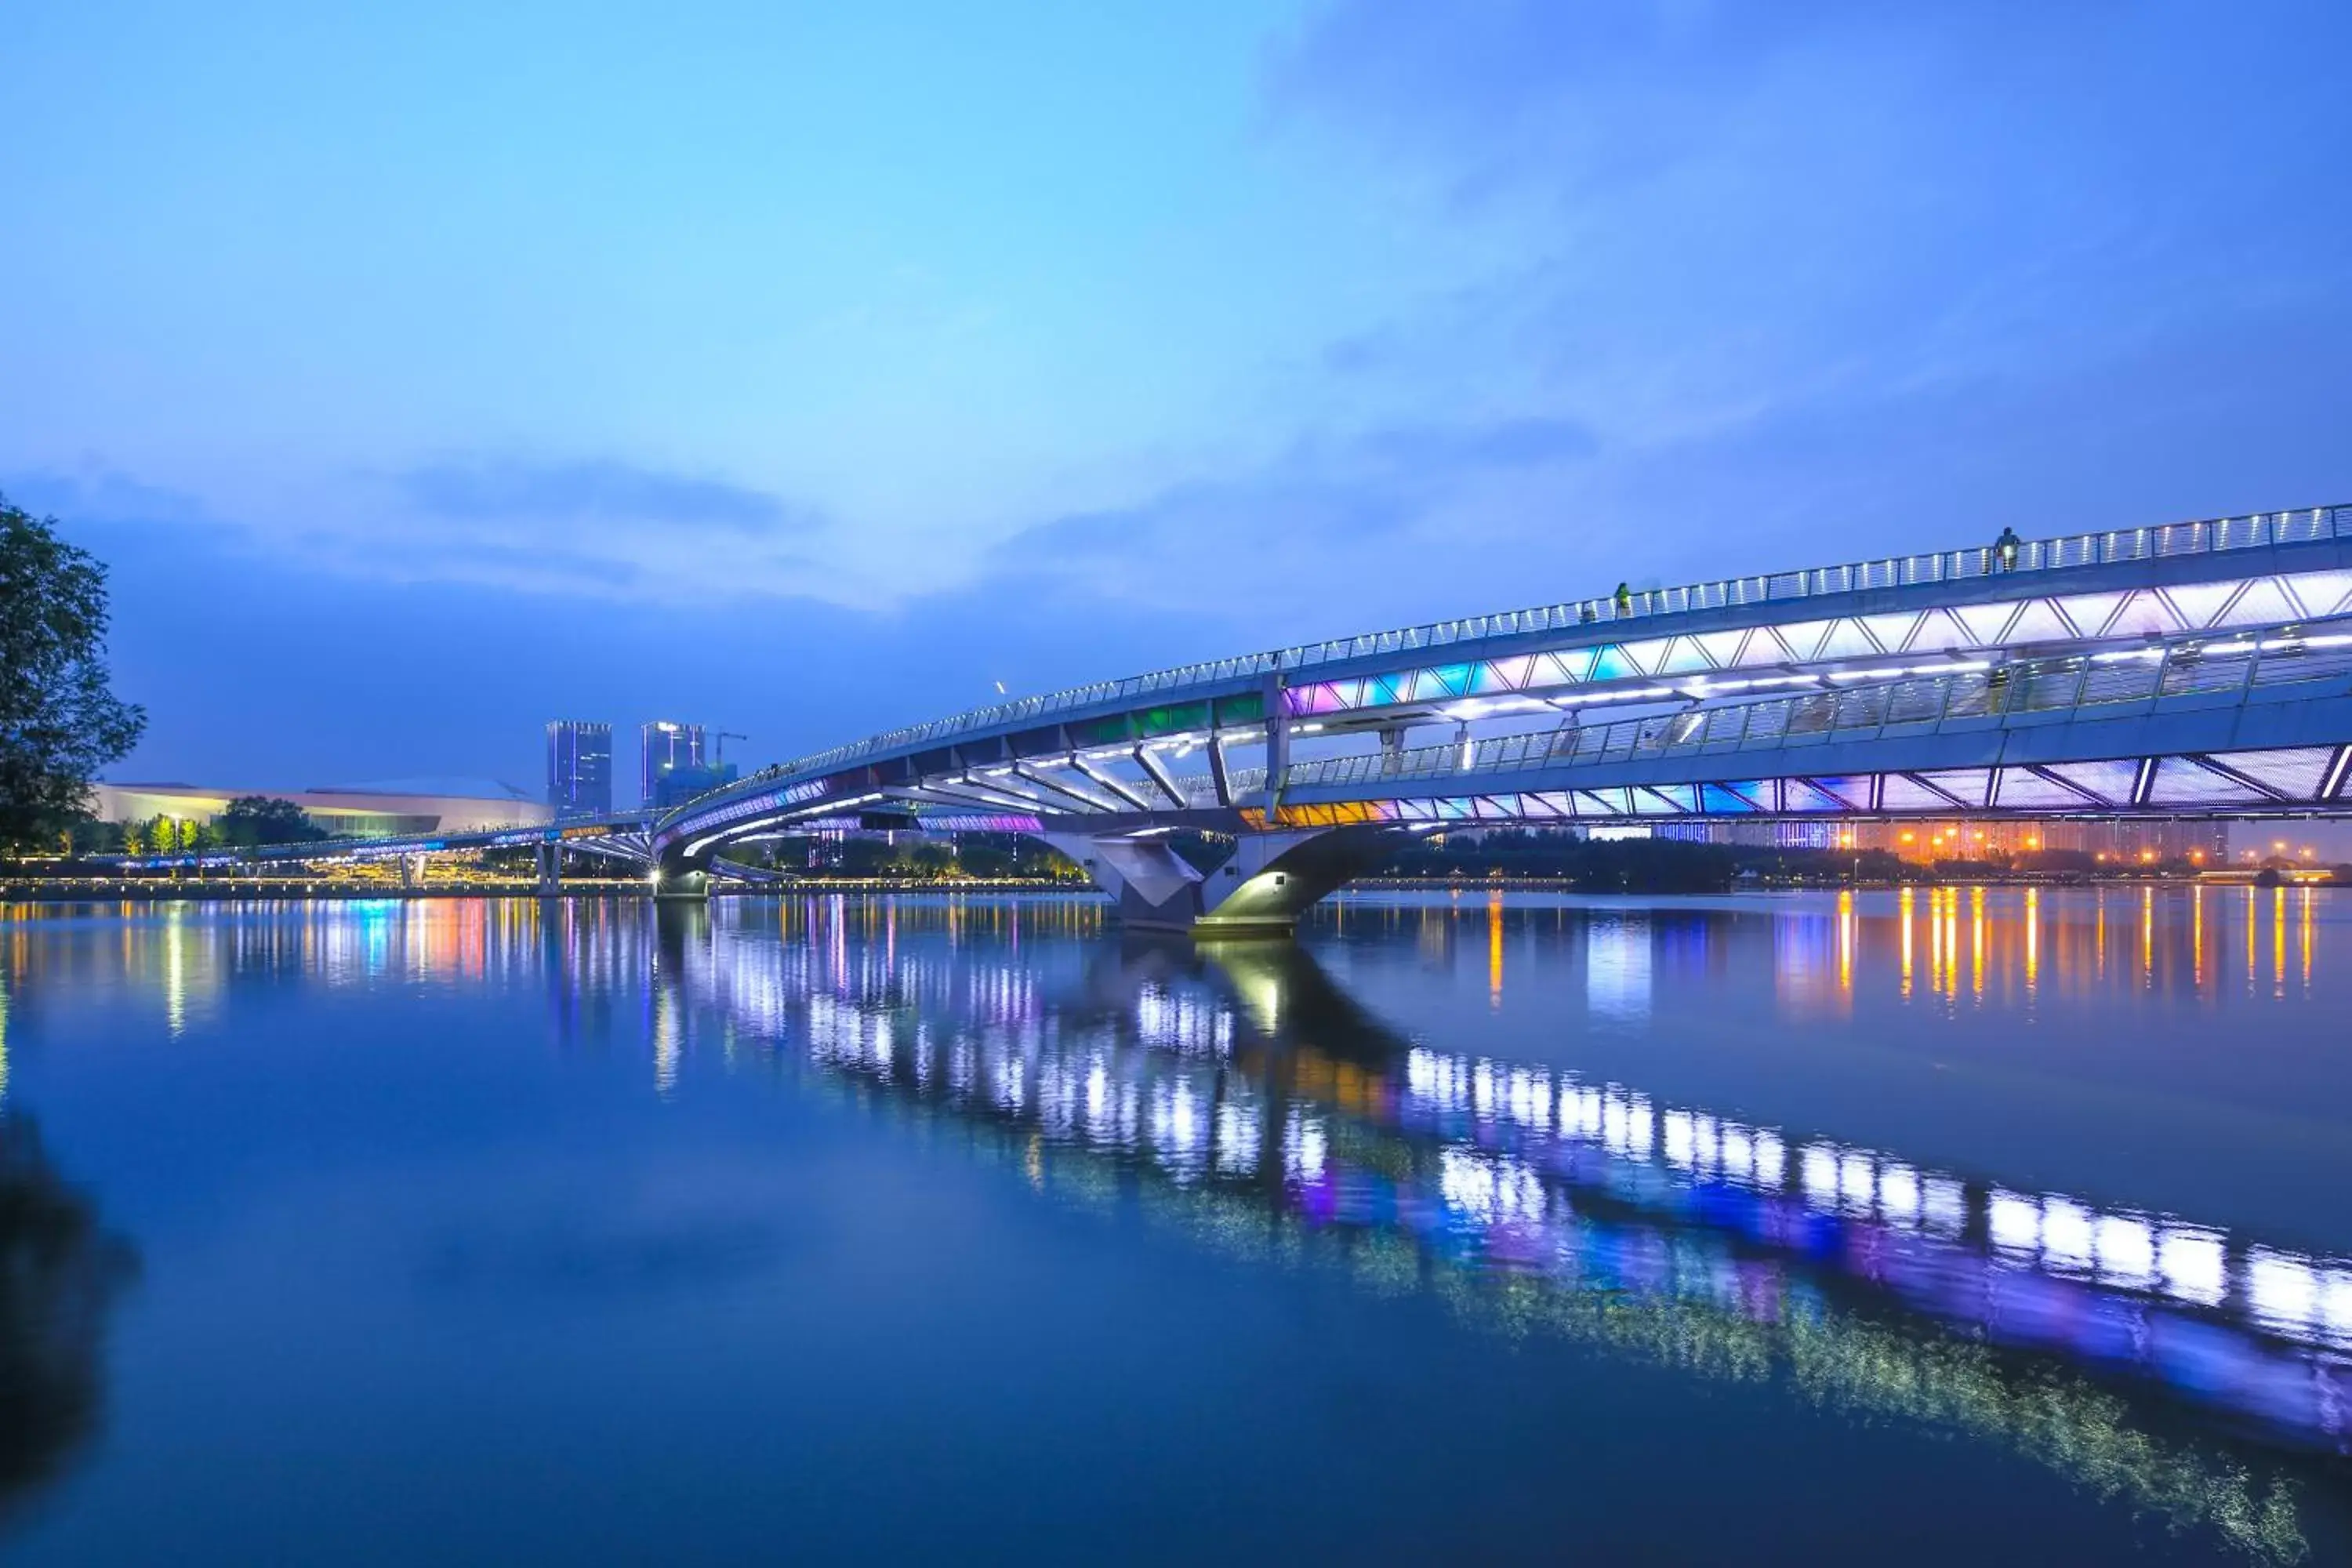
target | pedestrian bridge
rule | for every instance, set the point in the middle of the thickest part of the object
(2195, 668)
(2199, 669)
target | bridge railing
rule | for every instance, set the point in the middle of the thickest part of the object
(1916, 705)
(2254, 530)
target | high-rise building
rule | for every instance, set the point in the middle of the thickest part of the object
(681, 784)
(671, 752)
(579, 768)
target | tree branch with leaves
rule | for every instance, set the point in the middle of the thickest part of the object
(60, 721)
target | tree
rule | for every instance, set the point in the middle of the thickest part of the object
(253, 819)
(59, 723)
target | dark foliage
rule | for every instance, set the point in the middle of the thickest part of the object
(1633, 865)
(59, 723)
(253, 819)
(60, 1275)
(1625, 865)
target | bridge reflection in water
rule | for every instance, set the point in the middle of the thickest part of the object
(1240, 1093)
(2190, 1371)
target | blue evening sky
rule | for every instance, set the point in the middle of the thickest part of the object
(429, 371)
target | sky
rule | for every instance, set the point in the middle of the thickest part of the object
(427, 371)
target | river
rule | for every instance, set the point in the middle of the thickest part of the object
(1934, 1225)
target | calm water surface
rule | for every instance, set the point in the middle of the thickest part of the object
(1940, 1226)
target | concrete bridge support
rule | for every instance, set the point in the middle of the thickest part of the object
(682, 878)
(1271, 880)
(551, 868)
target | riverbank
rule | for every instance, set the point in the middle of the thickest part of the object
(153, 890)
(248, 891)
(1918, 877)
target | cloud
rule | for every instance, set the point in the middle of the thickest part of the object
(1778, 257)
(594, 528)
(600, 490)
(1333, 510)
(1508, 90)
(1512, 443)
(97, 492)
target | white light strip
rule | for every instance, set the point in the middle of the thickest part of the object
(2335, 780)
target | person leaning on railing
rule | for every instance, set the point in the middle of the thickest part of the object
(2004, 549)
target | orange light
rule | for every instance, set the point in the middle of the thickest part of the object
(1909, 836)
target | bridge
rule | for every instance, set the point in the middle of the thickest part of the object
(2197, 668)
(2190, 669)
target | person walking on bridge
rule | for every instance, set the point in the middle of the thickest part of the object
(2004, 549)
(1624, 600)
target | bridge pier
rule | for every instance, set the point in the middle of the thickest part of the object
(1270, 880)
(551, 868)
(691, 884)
(682, 878)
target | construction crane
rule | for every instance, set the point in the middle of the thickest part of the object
(719, 738)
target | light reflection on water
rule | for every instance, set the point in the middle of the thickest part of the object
(2189, 1370)
(1247, 1081)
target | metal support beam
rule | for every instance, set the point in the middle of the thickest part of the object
(1277, 737)
(1132, 798)
(1148, 760)
(1086, 802)
(2335, 779)
(993, 792)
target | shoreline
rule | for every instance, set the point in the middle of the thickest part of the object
(144, 891)
(247, 891)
